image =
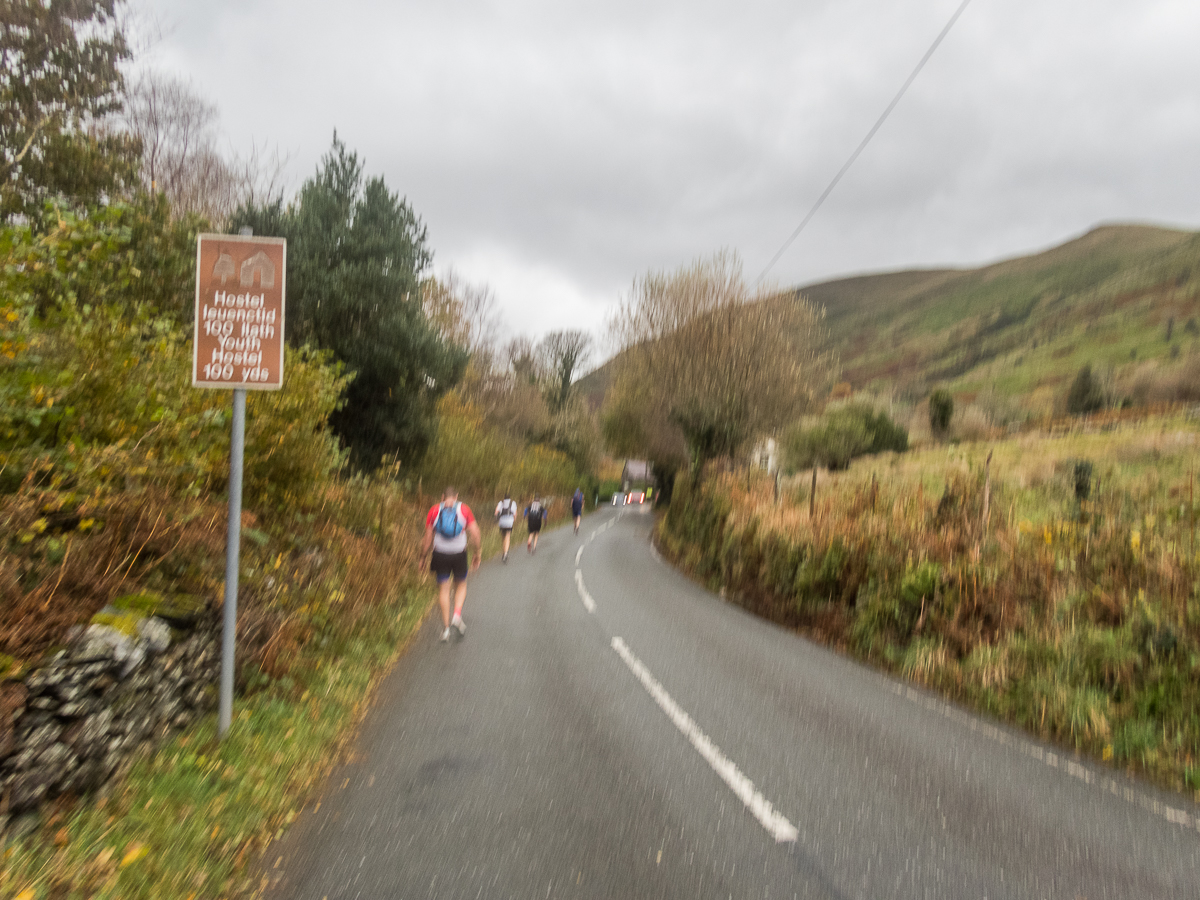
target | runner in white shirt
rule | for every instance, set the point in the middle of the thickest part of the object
(506, 517)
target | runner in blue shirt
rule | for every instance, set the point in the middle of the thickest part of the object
(577, 507)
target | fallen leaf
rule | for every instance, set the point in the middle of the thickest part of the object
(133, 853)
(61, 838)
(26, 894)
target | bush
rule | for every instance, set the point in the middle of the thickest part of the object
(941, 411)
(102, 387)
(1086, 394)
(1083, 479)
(483, 463)
(845, 433)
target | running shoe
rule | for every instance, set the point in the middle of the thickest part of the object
(458, 623)
(446, 635)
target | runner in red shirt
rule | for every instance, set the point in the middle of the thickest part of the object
(448, 527)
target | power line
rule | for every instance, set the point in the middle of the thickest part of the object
(870, 134)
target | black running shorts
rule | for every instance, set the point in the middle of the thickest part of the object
(534, 525)
(444, 565)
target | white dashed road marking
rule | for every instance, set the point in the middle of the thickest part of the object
(774, 822)
(578, 553)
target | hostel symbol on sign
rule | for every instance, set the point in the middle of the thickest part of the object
(263, 266)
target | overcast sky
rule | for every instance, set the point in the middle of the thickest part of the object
(557, 150)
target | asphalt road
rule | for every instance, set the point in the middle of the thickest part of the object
(608, 729)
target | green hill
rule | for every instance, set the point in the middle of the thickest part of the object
(1010, 336)
(1122, 297)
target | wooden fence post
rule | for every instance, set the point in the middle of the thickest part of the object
(987, 491)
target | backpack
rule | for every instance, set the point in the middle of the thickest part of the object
(448, 524)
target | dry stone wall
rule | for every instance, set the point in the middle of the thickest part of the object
(77, 721)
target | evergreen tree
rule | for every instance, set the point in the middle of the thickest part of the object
(354, 259)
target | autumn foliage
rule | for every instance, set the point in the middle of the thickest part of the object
(1073, 613)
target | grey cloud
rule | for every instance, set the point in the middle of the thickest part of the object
(594, 142)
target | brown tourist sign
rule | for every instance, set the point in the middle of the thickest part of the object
(239, 312)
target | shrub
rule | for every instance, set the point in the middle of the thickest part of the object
(941, 411)
(1135, 739)
(1083, 479)
(482, 462)
(917, 590)
(927, 661)
(844, 434)
(819, 577)
(1086, 394)
(104, 389)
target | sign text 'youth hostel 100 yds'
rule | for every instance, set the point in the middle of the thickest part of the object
(239, 312)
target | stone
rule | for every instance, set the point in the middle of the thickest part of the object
(27, 790)
(140, 682)
(155, 633)
(57, 758)
(88, 737)
(197, 697)
(68, 692)
(139, 727)
(41, 738)
(169, 709)
(103, 682)
(103, 641)
(84, 715)
(94, 644)
(76, 710)
(92, 670)
(19, 762)
(112, 761)
(31, 720)
(40, 682)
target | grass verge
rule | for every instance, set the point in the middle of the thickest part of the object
(190, 820)
(1056, 587)
(187, 820)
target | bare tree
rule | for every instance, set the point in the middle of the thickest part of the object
(465, 314)
(562, 355)
(177, 131)
(523, 360)
(718, 362)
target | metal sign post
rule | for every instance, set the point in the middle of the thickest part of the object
(238, 344)
(237, 445)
